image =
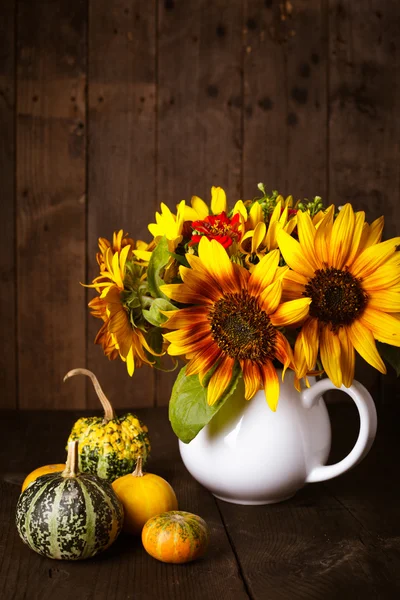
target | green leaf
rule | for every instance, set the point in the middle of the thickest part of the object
(188, 408)
(154, 316)
(391, 354)
(180, 259)
(158, 261)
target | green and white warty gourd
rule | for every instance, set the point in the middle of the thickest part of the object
(109, 446)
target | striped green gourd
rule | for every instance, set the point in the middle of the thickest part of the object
(69, 515)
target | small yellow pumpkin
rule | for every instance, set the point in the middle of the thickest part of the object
(41, 471)
(143, 496)
(176, 537)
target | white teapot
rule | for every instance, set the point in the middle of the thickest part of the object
(248, 454)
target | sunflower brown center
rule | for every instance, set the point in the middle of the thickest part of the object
(336, 296)
(241, 328)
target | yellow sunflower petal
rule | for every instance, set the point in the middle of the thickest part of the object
(220, 380)
(342, 236)
(251, 378)
(142, 255)
(216, 260)
(330, 355)
(242, 276)
(300, 362)
(185, 317)
(323, 237)
(276, 212)
(241, 209)
(385, 328)
(258, 237)
(130, 363)
(255, 216)
(373, 257)
(310, 341)
(283, 352)
(271, 237)
(293, 254)
(347, 357)
(293, 285)
(195, 347)
(122, 260)
(218, 200)
(264, 273)
(108, 257)
(307, 233)
(271, 384)
(363, 341)
(271, 297)
(356, 240)
(290, 312)
(182, 293)
(374, 232)
(203, 361)
(200, 283)
(384, 277)
(200, 207)
(385, 300)
(188, 334)
(189, 214)
(291, 225)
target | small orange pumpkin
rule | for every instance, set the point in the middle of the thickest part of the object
(176, 537)
(41, 471)
(143, 495)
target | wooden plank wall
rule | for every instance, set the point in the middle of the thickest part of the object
(8, 330)
(109, 108)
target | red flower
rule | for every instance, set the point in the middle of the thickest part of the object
(217, 227)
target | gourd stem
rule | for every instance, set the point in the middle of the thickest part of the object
(71, 468)
(138, 472)
(108, 409)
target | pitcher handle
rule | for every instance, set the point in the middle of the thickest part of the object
(368, 424)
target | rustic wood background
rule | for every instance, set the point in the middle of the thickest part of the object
(108, 107)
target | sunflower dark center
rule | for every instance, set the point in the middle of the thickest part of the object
(241, 328)
(337, 297)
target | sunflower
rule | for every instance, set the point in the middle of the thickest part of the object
(231, 321)
(117, 334)
(352, 281)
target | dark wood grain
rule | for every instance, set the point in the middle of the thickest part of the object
(199, 106)
(8, 337)
(265, 114)
(124, 571)
(121, 165)
(285, 110)
(51, 200)
(306, 97)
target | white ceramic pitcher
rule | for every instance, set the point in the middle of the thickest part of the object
(248, 454)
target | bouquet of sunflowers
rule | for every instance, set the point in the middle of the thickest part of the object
(243, 291)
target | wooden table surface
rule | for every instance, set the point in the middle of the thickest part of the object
(339, 539)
